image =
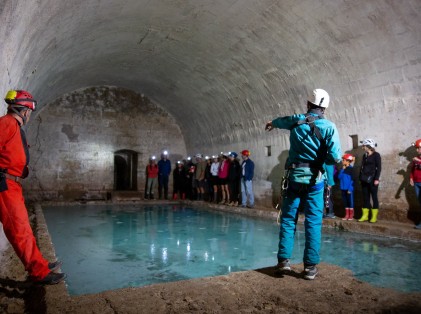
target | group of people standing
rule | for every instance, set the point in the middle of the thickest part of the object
(369, 177)
(314, 150)
(219, 179)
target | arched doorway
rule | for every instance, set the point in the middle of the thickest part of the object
(125, 170)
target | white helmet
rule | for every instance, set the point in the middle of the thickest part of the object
(199, 156)
(319, 98)
(369, 142)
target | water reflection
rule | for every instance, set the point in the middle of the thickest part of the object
(133, 246)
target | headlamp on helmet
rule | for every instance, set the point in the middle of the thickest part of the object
(417, 143)
(233, 154)
(20, 98)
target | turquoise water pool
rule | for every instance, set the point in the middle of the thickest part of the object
(106, 247)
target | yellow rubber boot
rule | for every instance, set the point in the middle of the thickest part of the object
(364, 217)
(374, 213)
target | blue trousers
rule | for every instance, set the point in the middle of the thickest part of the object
(311, 198)
(247, 192)
(348, 199)
(163, 183)
(417, 186)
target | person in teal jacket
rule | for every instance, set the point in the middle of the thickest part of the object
(314, 141)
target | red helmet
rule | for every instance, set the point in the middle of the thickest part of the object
(417, 143)
(245, 152)
(348, 157)
(20, 98)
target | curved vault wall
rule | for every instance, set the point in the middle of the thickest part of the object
(222, 68)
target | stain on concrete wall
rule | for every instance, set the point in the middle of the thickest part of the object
(74, 138)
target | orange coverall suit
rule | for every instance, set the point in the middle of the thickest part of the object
(13, 213)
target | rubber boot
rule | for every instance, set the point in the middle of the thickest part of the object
(175, 196)
(215, 197)
(374, 213)
(364, 217)
(346, 214)
(183, 196)
(351, 214)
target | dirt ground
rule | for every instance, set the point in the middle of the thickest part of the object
(334, 290)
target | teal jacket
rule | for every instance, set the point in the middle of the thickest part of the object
(329, 174)
(304, 146)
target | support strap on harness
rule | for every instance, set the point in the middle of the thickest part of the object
(310, 121)
(322, 151)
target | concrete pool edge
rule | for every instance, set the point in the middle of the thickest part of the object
(55, 293)
(57, 298)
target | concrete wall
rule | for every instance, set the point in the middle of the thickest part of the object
(222, 68)
(73, 140)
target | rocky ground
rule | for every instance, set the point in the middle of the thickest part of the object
(335, 290)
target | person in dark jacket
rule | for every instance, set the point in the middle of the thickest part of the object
(164, 170)
(247, 173)
(234, 177)
(371, 168)
(179, 181)
(415, 176)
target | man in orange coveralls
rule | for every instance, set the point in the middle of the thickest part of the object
(14, 159)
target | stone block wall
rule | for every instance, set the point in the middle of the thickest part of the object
(73, 140)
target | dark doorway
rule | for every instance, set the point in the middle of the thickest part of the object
(125, 170)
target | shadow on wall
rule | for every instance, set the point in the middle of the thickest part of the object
(275, 177)
(414, 213)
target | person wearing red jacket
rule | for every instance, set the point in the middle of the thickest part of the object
(14, 159)
(415, 176)
(151, 177)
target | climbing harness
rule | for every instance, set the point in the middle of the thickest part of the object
(327, 197)
(284, 188)
(317, 164)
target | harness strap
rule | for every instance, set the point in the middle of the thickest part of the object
(300, 165)
(310, 121)
(14, 178)
(318, 164)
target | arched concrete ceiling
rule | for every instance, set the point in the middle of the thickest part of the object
(215, 64)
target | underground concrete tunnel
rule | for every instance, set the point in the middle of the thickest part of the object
(215, 72)
(205, 76)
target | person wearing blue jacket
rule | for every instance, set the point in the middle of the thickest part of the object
(346, 183)
(314, 141)
(164, 170)
(247, 173)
